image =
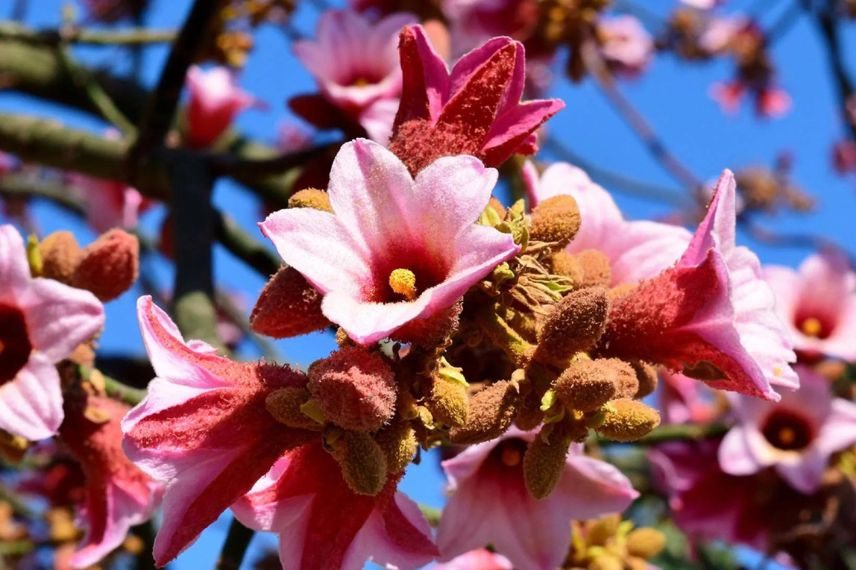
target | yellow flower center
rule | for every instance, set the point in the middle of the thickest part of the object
(811, 327)
(403, 282)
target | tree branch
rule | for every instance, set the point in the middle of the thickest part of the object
(235, 547)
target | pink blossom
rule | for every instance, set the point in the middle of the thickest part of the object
(818, 304)
(118, 495)
(215, 99)
(625, 44)
(479, 559)
(636, 249)
(355, 63)
(720, 32)
(324, 525)
(109, 203)
(41, 322)
(844, 156)
(711, 316)
(795, 436)
(703, 4)
(473, 109)
(770, 101)
(490, 504)
(474, 22)
(386, 221)
(203, 429)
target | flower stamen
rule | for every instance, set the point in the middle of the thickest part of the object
(811, 327)
(403, 282)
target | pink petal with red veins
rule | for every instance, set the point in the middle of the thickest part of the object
(323, 525)
(31, 404)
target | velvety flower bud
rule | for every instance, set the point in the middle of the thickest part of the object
(60, 255)
(556, 219)
(285, 407)
(288, 306)
(586, 385)
(566, 265)
(362, 461)
(624, 377)
(575, 325)
(628, 420)
(310, 198)
(645, 542)
(595, 268)
(646, 376)
(398, 441)
(544, 460)
(355, 388)
(448, 401)
(492, 410)
(109, 265)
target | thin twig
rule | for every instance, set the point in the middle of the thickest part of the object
(235, 547)
(828, 23)
(77, 35)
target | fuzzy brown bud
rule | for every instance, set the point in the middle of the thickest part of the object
(311, 198)
(556, 219)
(544, 460)
(362, 461)
(566, 265)
(575, 324)
(109, 265)
(628, 420)
(355, 388)
(492, 410)
(646, 376)
(285, 407)
(595, 268)
(398, 441)
(645, 542)
(586, 385)
(288, 306)
(448, 401)
(60, 256)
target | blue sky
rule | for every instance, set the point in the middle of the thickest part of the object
(672, 95)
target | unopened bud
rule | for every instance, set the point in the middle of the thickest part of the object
(645, 542)
(109, 265)
(448, 401)
(576, 324)
(288, 306)
(492, 410)
(646, 376)
(606, 561)
(355, 388)
(566, 265)
(555, 220)
(285, 405)
(60, 255)
(310, 198)
(544, 461)
(602, 530)
(595, 268)
(362, 461)
(586, 385)
(398, 441)
(627, 420)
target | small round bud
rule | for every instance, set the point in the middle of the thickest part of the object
(355, 388)
(109, 265)
(645, 542)
(556, 220)
(492, 410)
(544, 460)
(311, 198)
(566, 265)
(285, 407)
(575, 324)
(646, 376)
(60, 255)
(586, 385)
(628, 420)
(624, 377)
(595, 268)
(362, 461)
(448, 401)
(288, 306)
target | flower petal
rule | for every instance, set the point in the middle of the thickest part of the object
(31, 404)
(14, 269)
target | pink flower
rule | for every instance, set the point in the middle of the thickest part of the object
(474, 22)
(474, 109)
(480, 559)
(490, 504)
(118, 495)
(625, 44)
(387, 231)
(109, 203)
(818, 304)
(770, 101)
(636, 249)
(203, 429)
(215, 99)
(844, 156)
(354, 60)
(711, 316)
(796, 436)
(703, 4)
(720, 32)
(323, 525)
(41, 322)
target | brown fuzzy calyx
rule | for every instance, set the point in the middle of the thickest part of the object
(60, 255)
(586, 385)
(362, 461)
(492, 410)
(595, 268)
(627, 420)
(355, 388)
(575, 324)
(646, 377)
(555, 220)
(431, 331)
(109, 266)
(288, 306)
(311, 198)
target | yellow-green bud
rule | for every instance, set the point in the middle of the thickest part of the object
(285, 406)
(545, 460)
(627, 420)
(645, 542)
(362, 461)
(448, 401)
(556, 220)
(398, 441)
